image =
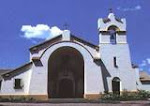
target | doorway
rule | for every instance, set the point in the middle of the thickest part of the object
(66, 88)
(116, 85)
(66, 74)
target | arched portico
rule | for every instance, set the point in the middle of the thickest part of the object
(66, 73)
(93, 83)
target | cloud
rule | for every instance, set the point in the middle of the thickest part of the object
(145, 65)
(40, 31)
(148, 60)
(135, 8)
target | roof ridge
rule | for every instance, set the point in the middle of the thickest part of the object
(34, 48)
(24, 65)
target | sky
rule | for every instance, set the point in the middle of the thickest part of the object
(25, 23)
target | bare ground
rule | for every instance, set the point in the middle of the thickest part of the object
(123, 103)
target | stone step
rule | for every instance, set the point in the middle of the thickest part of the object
(70, 100)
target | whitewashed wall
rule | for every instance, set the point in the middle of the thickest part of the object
(123, 61)
(93, 83)
(121, 51)
(7, 87)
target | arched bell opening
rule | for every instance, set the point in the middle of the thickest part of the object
(112, 31)
(66, 73)
(113, 27)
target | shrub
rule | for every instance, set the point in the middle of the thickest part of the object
(125, 95)
(110, 96)
(16, 99)
(143, 94)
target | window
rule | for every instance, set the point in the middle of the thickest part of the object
(18, 84)
(115, 62)
(0, 84)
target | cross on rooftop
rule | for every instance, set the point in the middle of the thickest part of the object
(110, 10)
(65, 26)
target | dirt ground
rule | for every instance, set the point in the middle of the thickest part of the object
(126, 103)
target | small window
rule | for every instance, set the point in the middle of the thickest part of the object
(18, 84)
(0, 84)
(115, 62)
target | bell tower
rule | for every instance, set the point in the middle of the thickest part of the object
(112, 30)
(115, 53)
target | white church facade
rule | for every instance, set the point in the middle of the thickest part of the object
(69, 67)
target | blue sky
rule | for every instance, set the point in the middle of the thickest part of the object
(81, 15)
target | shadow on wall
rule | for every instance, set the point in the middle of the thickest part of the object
(105, 74)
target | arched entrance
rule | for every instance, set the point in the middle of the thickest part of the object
(66, 74)
(116, 85)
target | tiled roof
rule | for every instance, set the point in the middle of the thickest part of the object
(15, 71)
(144, 76)
(3, 71)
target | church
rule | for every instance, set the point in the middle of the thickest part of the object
(69, 67)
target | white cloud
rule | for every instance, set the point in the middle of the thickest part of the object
(138, 7)
(148, 60)
(145, 65)
(54, 31)
(135, 8)
(40, 31)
